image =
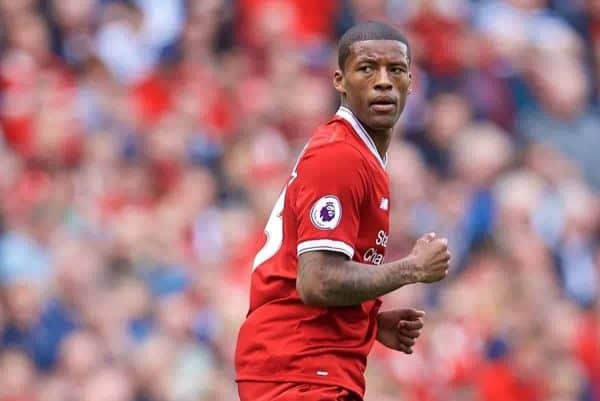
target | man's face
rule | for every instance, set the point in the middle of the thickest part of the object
(375, 81)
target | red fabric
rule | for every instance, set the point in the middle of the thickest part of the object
(18, 134)
(314, 18)
(156, 95)
(498, 382)
(27, 88)
(587, 350)
(282, 339)
(438, 38)
(152, 98)
(219, 112)
(270, 391)
(311, 18)
(213, 104)
(17, 78)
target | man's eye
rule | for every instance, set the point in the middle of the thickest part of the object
(397, 70)
(366, 68)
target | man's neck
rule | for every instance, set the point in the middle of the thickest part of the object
(381, 138)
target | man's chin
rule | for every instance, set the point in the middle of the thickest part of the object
(382, 122)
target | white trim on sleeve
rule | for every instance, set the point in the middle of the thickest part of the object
(326, 245)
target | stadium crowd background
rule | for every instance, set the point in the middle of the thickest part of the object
(144, 142)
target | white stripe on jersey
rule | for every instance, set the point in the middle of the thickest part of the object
(326, 245)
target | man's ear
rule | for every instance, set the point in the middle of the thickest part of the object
(409, 83)
(338, 82)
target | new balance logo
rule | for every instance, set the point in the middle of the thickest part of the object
(384, 204)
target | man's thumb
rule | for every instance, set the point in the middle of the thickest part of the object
(411, 314)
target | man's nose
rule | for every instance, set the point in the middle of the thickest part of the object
(383, 81)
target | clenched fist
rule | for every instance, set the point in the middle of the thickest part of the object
(431, 258)
(398, 329)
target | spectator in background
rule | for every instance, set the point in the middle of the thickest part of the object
(564, 118)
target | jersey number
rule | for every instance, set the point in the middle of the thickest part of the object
(273, 231)
(274, 227)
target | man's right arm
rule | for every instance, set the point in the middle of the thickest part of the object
(330, 279)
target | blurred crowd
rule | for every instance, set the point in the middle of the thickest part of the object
(143, 143)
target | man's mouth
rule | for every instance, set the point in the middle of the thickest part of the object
(383, 104)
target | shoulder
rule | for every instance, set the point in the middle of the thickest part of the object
(332, 165)
(334, 144)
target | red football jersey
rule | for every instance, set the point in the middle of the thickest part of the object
(337, 199)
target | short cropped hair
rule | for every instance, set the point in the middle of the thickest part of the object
(367, 31)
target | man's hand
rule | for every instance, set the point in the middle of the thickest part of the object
(398, 329)
(431, 258)
(329, 279)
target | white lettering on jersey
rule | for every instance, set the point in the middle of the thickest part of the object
(382, 238)
(372, 256)
(274, 233)
(384, 204)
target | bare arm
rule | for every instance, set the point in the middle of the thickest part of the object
(330, 279)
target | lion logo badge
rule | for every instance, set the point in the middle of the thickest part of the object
(326, 213)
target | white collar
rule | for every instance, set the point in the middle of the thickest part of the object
(347, 115)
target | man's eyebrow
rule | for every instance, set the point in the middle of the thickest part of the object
(365, 57)
(402, 62)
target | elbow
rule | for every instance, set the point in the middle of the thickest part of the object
(311, 295)
(311, 298)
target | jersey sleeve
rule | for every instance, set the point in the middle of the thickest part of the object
(330, 185)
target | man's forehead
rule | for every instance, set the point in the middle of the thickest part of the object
(389, 48)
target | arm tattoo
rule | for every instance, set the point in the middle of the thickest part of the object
(329, 279)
